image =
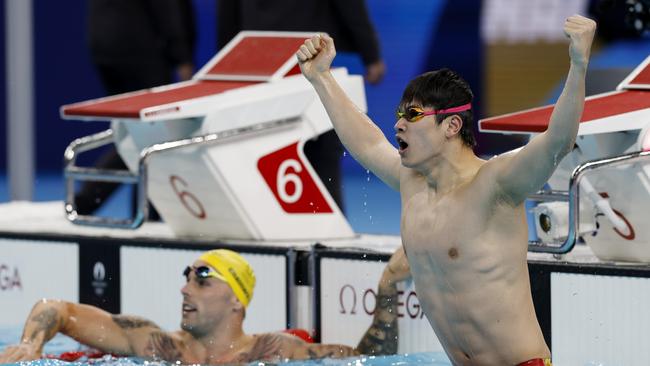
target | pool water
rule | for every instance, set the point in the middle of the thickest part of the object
(433, 359)
(61, 343)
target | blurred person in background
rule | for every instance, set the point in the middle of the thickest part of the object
(134, 45)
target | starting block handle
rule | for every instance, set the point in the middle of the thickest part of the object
(213, 138)
(573, 195)
(75, 173)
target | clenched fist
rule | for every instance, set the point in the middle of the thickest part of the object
(580, 31)
(315, 55)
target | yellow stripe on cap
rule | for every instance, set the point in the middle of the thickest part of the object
(236, 270)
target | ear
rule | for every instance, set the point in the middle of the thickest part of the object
(237, 305)
(454, 124)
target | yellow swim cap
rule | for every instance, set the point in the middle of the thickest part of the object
(236, 271)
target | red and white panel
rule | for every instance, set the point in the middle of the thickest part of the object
(259, 56)
(262, 188)
(608, 112)
(639, 78)
(259, 186)
(165, 102)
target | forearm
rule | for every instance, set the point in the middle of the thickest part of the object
(47, 318)
(357, 132)
(382, 336)
(565, 119)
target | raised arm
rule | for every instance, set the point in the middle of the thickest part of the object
(524, 172)
(357, 132)
(382, 336)
(87, 324)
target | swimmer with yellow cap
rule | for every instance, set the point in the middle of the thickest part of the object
(219, 288)
(233, 269)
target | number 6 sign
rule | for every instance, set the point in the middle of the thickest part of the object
(290, 181)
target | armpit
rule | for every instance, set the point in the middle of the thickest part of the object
(162, 346)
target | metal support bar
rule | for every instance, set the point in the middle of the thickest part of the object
(73, 173)
(574, 198)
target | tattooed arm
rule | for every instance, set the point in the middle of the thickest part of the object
(381, 338)
(278, 346)
(87, 324)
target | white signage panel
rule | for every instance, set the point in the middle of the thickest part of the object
(31, 270)
(599, 320)
(152, 278)
(347, 299)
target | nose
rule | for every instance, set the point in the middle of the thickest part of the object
(185, 289)
(400, 125)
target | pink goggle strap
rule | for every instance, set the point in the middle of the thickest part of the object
(461, 108)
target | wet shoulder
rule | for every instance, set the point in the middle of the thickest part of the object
(270, 347)
(166, 346)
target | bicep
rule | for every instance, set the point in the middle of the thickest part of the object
(525, 171)
(99, 329)
(384, 161)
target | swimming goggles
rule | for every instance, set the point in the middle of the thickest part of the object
(202, 272)
(414, 114)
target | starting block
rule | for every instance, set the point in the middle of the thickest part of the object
(600, 191)
(221, 155)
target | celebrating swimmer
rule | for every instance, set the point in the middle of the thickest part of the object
(463, 219)
(219, 287)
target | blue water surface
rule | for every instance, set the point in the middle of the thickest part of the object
(425, 359)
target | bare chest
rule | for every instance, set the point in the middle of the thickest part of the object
(442, 227)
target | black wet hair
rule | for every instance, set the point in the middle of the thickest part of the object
(442, 89)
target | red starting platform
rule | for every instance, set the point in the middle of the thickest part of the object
(222, 155)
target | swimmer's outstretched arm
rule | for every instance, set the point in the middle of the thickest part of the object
(357, 132)
(525, 172)
(87, 324)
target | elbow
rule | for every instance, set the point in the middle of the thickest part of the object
(561, 147)
(53, 311)
(566, 148)
(44, 304)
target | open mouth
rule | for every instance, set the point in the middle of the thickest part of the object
(187, 308)
(402, 144)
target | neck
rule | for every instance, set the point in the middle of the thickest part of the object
(455, 166)
(220, 344)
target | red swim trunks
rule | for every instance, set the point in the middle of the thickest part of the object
(537, 362)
